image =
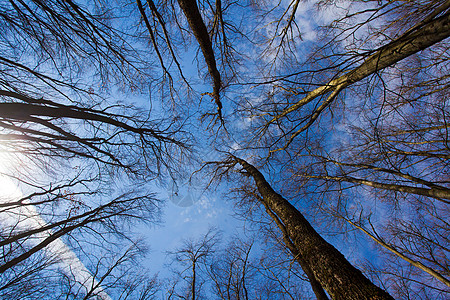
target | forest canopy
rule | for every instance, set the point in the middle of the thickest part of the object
(322, 124)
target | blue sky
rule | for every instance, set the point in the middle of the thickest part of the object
(188, 208)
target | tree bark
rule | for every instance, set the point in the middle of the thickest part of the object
(438, 193)
(195, 21)
(194, 275)
(315, 285)
(415, 40)
(338, 277)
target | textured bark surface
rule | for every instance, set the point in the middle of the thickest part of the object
(334, 273)
(315, 285)
(195, 21)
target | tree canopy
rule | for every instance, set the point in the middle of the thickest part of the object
(322, 124)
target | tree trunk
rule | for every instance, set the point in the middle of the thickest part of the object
(415, 40)
(194, 275)
(438, 193)
(195, 21)
(315, 285)
(339, 278)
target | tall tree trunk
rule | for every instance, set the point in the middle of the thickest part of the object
(195, 21)
(194, 275)
(338, 277)
(315, 285)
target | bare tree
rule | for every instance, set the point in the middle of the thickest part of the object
(362, 129)
(298, 98)
(231, 270)
(334, 273)
(344, 101)
(71, 150)
(115, 277)
(193, 255)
